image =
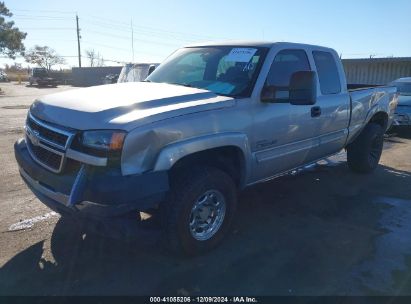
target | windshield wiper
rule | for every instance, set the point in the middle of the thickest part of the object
(222, 94)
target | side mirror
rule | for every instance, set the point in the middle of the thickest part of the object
(303, 88)
(151, 69)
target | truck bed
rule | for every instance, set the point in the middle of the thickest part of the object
(358, 86)
(366, 101)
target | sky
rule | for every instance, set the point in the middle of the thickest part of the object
(355, 28)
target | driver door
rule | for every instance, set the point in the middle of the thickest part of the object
(283, 134)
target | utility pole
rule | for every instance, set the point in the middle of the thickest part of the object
(78, 43)
(132, 40)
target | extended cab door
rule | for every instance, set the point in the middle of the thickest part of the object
(283, 134)
(332, 104)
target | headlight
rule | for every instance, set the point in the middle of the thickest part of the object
(105, 140)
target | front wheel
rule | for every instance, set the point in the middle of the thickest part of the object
(363, 154)
(200, 210)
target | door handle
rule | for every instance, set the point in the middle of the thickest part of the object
(315, 111)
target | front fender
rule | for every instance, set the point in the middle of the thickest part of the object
(172, 153)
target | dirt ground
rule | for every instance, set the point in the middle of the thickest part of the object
(321, 231)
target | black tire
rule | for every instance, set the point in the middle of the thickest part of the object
(364, 153)
(187, 187)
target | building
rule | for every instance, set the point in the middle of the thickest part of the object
(376, 71)
(91, 76)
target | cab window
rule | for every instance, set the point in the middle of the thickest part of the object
(327, 72)
(285, 64)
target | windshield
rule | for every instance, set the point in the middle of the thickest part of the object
(403, 88)
(223, 70)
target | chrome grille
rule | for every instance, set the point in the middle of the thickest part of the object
(47, 144)
(50, 159)
(47, 134)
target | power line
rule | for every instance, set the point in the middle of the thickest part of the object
(41, 41)
(112, 22)
(128, 38)
(106, 46)
(116, 22)
(149, 30)
(45, 11)
(32, 17)
(116, 48)
(155, 35)
(167, 36)
(161, 37)
(48, 28)
(144, 32)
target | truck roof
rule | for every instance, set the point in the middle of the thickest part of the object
(251, 43)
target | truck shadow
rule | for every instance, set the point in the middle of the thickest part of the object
(301, 234)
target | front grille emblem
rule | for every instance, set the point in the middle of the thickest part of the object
(33, 135)
(47, 144)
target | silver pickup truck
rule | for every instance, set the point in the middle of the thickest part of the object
(212, 119)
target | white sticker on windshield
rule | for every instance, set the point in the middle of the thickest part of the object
(241, 54)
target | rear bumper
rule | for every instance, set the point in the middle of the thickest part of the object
(91, 192)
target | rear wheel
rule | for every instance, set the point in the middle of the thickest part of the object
(200, 210)
(363, 155)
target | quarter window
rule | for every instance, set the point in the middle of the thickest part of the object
(327, 73)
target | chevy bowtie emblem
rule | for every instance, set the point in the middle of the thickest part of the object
(33, 135)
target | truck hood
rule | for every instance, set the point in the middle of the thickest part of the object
(124, 106)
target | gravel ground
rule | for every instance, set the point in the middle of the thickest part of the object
(320, 231)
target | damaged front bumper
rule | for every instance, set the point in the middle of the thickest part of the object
(89, 191)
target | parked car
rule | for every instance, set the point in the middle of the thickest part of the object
(135, 72)
(3, 77)
(209, 121)
(402, 119)
(40, 77)
(110, 78)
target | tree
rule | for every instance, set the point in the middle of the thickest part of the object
(43, 56)
(16, 67)
(101, 61)
(94, 58)
(11, 38)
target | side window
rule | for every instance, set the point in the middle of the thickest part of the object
(285, 64)
(327, 72)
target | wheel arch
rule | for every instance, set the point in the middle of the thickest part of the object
(380, 118)
(228, 152)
